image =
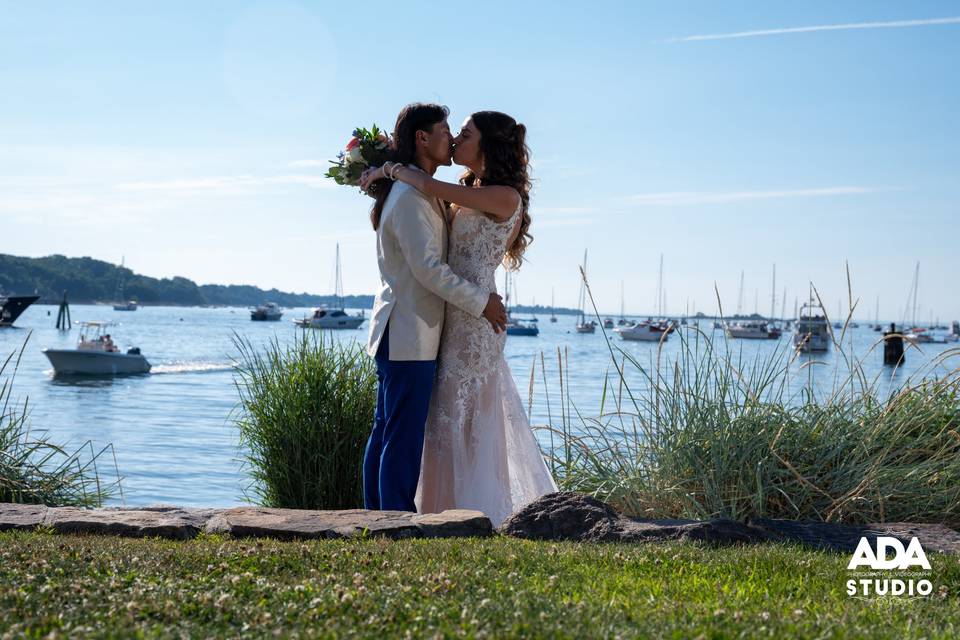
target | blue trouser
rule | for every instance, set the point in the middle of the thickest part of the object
(391, 464)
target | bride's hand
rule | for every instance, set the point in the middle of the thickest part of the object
(369, 176)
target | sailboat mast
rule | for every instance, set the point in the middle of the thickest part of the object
(660, 302)
(740, 295)
(773, 293)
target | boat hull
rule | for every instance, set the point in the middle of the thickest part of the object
(12, 306)
(523, 331)
(95, 363)
(330, 323)
(642, 334)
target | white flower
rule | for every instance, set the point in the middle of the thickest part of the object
(354, 155)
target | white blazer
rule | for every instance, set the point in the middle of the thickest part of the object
(415, 279)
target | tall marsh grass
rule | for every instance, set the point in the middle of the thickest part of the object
(305, 413)
(710, 434)
(34, 470)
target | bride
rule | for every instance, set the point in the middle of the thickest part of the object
(479, 451)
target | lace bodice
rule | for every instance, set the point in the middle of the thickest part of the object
(478, 244)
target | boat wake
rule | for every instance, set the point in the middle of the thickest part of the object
(190, 367)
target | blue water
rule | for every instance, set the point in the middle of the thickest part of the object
(172, 432)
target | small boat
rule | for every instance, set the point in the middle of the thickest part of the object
(812, 332)
(96, 355)
(516, 326)
(583, 326)
(12, 306)
(129, 305)
(608, 323)
(643, 331)
(522, 327)
(622, 321)
(753, 330)
(269, 312)
(324, 318)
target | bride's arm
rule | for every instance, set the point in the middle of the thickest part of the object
(497, 200)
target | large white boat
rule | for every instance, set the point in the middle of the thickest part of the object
(96, 355)
(812, 332)
(644, 331)
(269, 312)
(753, 330)
(325, 318)
(337, 318)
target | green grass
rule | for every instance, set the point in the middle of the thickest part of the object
(98, 586)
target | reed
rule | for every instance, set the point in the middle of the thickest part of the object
(304, 415)
(34, 470)
(709, 433)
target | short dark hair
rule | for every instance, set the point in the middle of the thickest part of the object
(414, 117)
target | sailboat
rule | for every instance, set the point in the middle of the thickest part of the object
(553, 313)
(118, 305)
(876, 317)
(325, 318)
(516, 326)
(582, 325)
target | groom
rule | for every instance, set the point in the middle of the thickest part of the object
(407, 314)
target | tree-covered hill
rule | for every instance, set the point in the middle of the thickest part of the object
(87, 281)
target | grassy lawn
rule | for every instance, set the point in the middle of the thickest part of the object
(103, 586)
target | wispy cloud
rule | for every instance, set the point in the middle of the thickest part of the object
(683, 198)
(894, 24)
(226, 184)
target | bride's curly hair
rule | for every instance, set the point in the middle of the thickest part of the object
(503, 143)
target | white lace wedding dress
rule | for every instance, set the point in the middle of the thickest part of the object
(478, 450)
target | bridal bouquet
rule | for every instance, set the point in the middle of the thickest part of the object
(367, 148)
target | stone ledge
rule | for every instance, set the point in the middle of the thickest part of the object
(557, 516)
(184, 523)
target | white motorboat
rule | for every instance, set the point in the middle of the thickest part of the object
(644, 331)
(324, 318)
(269, 312)
(96, 355)
(753, 330)
(812, 332)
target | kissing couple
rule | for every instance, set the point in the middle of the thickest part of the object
(450, 431)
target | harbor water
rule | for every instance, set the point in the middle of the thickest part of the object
(172, 430)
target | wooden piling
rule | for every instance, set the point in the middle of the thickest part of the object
(63, 315)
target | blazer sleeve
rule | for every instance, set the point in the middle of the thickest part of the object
(412, 222)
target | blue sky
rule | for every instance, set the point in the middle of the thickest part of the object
(192, 137)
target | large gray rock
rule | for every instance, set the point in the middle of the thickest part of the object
(574, 516)
(297, 523)
(845, 537)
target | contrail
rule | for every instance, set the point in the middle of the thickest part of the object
(896, 24)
